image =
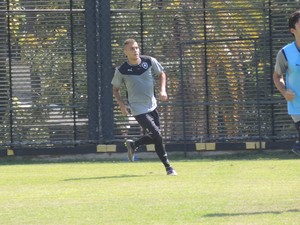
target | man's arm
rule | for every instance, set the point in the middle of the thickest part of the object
(280, 85)
(163, 96)
(123, 107)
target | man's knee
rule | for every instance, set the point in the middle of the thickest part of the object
(156, 136)
(297, 125)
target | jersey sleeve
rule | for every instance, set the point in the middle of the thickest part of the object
(117, 79)
(157, 68)
(281, 63)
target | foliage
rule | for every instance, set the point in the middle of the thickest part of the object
(45, 41)
(218, 57)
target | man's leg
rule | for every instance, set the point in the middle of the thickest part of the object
(150, 123)
(296, 147)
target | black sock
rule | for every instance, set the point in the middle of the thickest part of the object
(297, 125)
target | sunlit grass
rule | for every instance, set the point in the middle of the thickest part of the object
(207, 191)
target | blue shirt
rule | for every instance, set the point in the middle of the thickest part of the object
(292, 77)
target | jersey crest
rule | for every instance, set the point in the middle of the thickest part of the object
(127, 69)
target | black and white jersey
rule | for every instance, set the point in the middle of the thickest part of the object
(139, 82)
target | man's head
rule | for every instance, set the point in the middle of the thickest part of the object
(131, 50)
(294, 23)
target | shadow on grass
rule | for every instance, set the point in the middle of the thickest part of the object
(207, 156)
(251, 213)
(246, 155)
(104, 177)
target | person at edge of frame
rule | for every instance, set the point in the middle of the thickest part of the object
(138, 74)
(288, 65)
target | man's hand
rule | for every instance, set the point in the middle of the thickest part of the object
(289, 95)
(124, 109)
(163, 96)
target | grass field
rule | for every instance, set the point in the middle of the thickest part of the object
(252, 188)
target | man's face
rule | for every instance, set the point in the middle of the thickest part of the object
(132, 51)
(296, 30)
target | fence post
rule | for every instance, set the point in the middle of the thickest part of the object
(92, 71)
(99, 69)
(105, 72)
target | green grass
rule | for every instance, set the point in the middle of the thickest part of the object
(232, 190)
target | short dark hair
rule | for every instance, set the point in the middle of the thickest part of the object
(129, 41)
(294, 18)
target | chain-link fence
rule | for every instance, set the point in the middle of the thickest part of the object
(219, 56)
(43, 73)
(57, 59)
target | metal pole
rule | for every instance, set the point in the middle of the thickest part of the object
(106, 72)
(73, 70)
(206, 71)
(182, 94)
(10, 73)
(271, 69)
(257, 96)
(92, 70)
(142, 27)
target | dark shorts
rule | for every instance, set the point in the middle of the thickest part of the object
(149, 122)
